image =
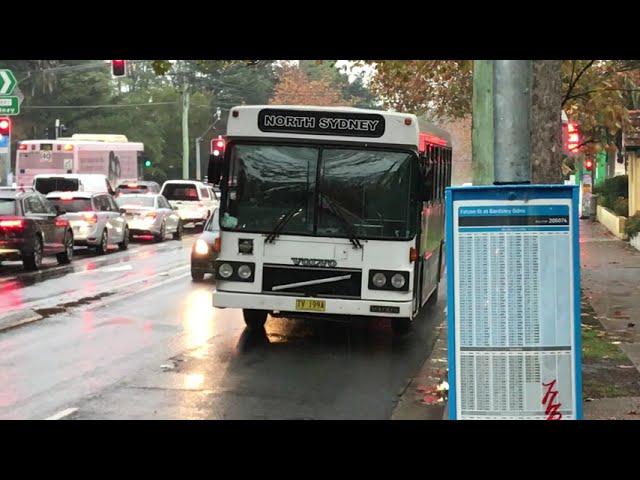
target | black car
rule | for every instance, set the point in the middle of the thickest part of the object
(31, 227)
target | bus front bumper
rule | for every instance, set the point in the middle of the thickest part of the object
(332, 306)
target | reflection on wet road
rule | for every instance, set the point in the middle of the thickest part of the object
(129, 335)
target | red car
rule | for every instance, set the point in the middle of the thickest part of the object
(31, 227)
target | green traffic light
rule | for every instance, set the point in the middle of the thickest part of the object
(147, 163)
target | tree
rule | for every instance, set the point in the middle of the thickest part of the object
(595, 93)
(294, 87)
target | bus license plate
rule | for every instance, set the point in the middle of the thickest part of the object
(313, 305)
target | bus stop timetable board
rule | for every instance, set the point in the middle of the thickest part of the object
(513, 271)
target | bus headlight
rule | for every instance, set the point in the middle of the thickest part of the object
(244, 271)
(389, 280)
(379, 280)
(225, 270)
(397, 281)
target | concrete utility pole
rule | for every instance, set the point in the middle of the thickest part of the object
(512, 117)
(482, 130)
(185, 131)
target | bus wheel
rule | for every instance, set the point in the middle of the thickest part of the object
(255, 319)
(400, 326)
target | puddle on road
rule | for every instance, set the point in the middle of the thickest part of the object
(63, 307)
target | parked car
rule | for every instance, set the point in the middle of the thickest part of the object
(95, 218)
(195, 201)
(204, 252)
(150, 214)
(72, 182)
(137, 187)
(32, 227)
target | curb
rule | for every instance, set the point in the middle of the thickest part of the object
(411, 405)
(19, 318)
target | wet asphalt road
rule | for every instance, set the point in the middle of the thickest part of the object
(130, 336)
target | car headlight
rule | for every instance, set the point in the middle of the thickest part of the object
(244, 271)
(225, 270)
(379, 280)
(201, 248)
(397, 280)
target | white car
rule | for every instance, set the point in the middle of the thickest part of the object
(195, 201)
(150, 214)
(95, 219)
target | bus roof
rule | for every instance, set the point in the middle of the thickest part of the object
(86, 143)
(330, 123)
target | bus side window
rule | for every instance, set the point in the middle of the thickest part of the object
(427, 173)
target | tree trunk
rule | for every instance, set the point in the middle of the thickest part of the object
(546, 122)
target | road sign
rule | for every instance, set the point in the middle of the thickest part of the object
(9, 105)
(7, 82)
(513, 309)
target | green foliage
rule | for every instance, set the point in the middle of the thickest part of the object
(632, 226)
(621, 206)
(611, 189)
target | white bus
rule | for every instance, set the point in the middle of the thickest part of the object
(329, 211)
(110, 155)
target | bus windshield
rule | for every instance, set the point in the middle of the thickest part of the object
(336, 189)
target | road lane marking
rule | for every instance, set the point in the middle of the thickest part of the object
(121, 268)
(62, 414)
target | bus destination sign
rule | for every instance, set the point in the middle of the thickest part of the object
(344, 124)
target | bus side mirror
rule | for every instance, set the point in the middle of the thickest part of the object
(214, 171)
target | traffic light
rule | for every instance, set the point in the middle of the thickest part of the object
(573, 141)
(588, 164)
(5, 126)
(147, 163)
(217, 146)
(118, 68)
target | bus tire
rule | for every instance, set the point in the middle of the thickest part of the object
(401, 326)
(255, 319)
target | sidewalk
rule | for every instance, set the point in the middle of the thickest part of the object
(611, 299)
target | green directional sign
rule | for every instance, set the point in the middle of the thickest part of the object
(9, 105)
(7, 82)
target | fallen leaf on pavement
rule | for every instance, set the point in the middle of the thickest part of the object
(631, 325)
(632, 412)
(588, 399)
(431, 399)
(616, 343)
(626, 366)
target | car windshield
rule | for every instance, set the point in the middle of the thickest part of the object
(363, 190)
(212, 224)
(135, 201)
(73, 204)
(131, 189)
(48, 185)
(7, 206)
(181, 191)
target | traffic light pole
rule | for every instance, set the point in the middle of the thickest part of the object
(185, 131)
(5, 163)
(511, 119)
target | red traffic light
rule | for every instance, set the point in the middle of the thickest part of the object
(588, 164)
(5, 126)
(217, 146)
(118, 68)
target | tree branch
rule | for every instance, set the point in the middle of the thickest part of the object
(573, 83)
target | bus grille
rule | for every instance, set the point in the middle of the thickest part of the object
(275, 276)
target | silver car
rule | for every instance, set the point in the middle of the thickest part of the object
(150, 215)
(95, 219)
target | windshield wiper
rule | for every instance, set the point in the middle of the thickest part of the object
(348, 228)
(284, 219)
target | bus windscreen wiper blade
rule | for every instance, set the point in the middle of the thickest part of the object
(284, 219)
(345, 223)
